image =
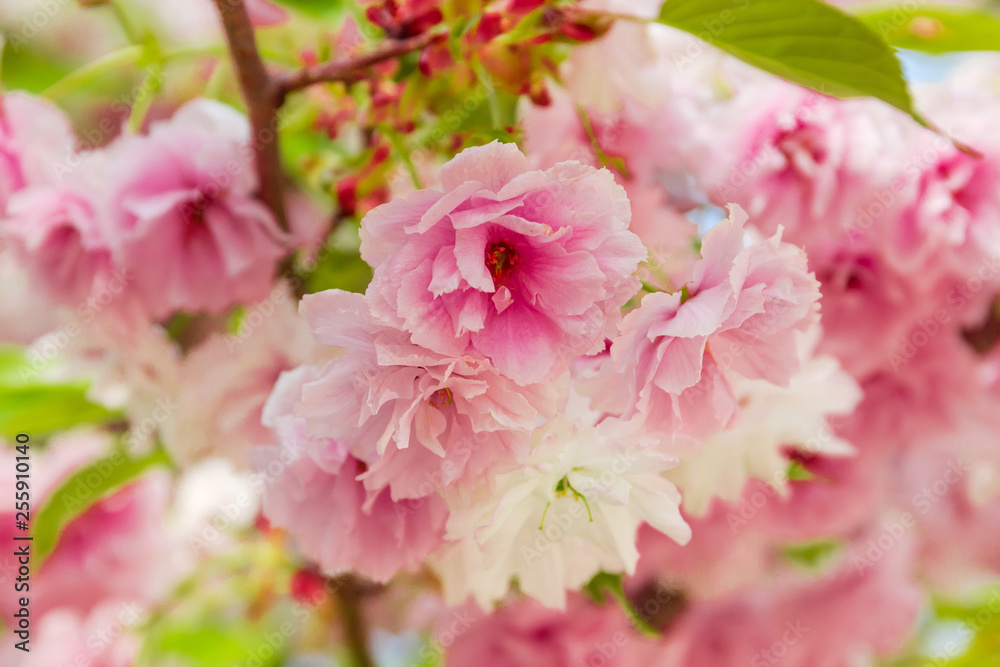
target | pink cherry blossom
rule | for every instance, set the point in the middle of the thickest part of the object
(421, 421)
(24, 315)
(313, 492)
(813, 164)
(739, 310)
(229, 377)
(855, 613)
(725, 553)
(523, 633)
(116, 549)
(181, 215)
(525, 268)
(36, 143)
(264, 14)
(55, 230)
(104, 637)
(641, 145)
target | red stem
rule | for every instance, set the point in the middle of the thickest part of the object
(350, 69)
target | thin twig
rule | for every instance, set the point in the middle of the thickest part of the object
(261, 95)
(350, 69)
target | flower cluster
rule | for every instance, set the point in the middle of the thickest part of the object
(458, 411)
(168, 217)
(494, 333)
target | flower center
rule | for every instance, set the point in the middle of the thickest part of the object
(193, 214)
(501, 260)
(441, 398)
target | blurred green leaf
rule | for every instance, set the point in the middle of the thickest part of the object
(321, 9)
(29, 404)
(797, 472)
(431, 654)
(408, 64)
(81, 490)
(484, 113)
(981, 618)
(938, 29)
(30, 70)
(805, 41)
(813, 554)
(339, 270)
(43, 410)
(16, 370)
(201, 645)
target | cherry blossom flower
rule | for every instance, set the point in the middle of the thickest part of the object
(526, 268)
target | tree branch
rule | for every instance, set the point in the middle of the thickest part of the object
(349, 600)
(262, 99)
(350, 69)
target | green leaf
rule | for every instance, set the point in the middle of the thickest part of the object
(805, 41)
(29, 69)
(209, 645)
(813, 554)
(982, 621)
(340, 270)
(797, 472)
(29, 404)
(936, 29)
(43, 410)
(81, 490)
(16, 370)
(431, 654)
(321, 9)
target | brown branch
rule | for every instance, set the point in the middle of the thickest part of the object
(349, 595)
(350, 69)
(262, 99)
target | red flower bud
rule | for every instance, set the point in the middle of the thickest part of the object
(347, 195)
(307, 587)
(420, 23)
(578, 31)
(490, 26)
(524, 6)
